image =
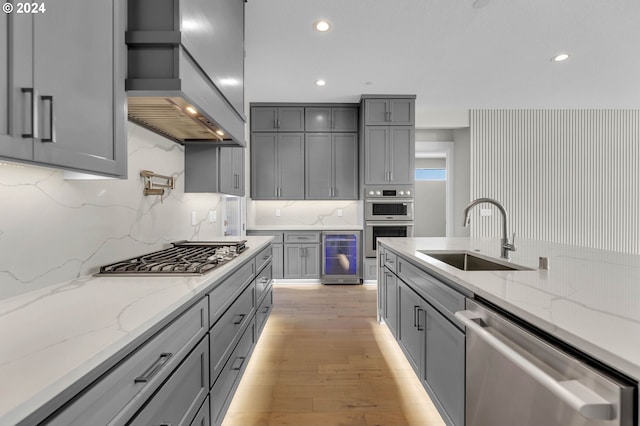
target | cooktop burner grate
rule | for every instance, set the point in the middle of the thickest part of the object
(184, 258)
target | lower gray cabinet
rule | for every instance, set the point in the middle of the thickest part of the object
(277, 259)
(302, 261)
(180, 398)
(390, 307)
(203, 416)
(411, 325)
(444, 368)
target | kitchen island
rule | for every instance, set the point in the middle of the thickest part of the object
(58, 340)
(587, 299)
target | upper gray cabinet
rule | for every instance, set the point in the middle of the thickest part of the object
(331, 166)
(231, 171)
(277, 166)
(396, 111)
(331, 119)
(62, 101)
(389, 153)
(277, 119)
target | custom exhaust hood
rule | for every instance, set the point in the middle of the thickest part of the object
(185, 65)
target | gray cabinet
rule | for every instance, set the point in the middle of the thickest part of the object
(331, 119)
(331, 166)
(277, 166)
(411, 325)
(55, 112)
(396, 111)
(302, 261)
(389, 155)
(231, 171)
(277, 119)
(389, 288)
(277, 257)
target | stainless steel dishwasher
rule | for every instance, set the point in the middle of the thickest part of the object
(514, 377)
(341, 257)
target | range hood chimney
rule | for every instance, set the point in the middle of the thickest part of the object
(177, 85)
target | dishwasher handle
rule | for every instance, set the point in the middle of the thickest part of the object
(585, 401)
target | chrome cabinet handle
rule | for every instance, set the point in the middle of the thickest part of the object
(415, 315)
(266, 309)
(264, 280)
(239, 320)
(582, 399)
(32, 110)
(420, 327)
(155, 367)
(241, 359)
(51, 137)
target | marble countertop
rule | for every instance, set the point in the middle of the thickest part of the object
(53, 337)
(588, 298)
(307, 228)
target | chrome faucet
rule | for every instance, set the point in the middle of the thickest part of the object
(507, 246)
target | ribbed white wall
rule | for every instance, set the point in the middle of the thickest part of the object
(566, 176)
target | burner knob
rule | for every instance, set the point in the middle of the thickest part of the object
(378, 192)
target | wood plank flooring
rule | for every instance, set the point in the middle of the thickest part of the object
(324, 360)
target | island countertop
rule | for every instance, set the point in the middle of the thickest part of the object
(53, 338)
(588, 298)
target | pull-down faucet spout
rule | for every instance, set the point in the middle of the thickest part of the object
(506, 245)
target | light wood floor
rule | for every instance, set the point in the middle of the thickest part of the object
(323, 360)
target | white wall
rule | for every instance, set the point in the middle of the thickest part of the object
(53, 230)
(565, 176)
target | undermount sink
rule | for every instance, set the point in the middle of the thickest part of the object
(466, 261)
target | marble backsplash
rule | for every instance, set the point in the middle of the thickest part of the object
(53, 230)
(307, 214)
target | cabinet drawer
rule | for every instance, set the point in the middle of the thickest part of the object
(277, 236)
(264, 310)
(440, 295)
(122, 391)
(224, 294)
(302, 237)
(263, 258)
(226, 332)
(179, 399)
(263, 280)
(390, 259)
(221, 393)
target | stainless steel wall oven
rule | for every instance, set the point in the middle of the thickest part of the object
(374, 230)
(388, 212)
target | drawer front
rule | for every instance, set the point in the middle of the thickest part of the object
(263, 280)
(302, 237)
(226, 332)
(122, 391)
(263, 258)
(443, 297)
(221, 392)
(264, 310)
(390, 260)
(278, 237)
(180, 398)
(224, 294)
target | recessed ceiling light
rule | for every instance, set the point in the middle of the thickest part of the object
(191, 110)
(561, 57)
(322, 26)
(320, 82)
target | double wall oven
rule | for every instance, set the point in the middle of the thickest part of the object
(388, 212)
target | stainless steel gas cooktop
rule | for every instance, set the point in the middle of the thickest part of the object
(185, 258)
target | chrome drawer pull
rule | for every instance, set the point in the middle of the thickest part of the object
(264, 280)
(266, 309)
(155, 367)
(240, 320)
(32, 111)
(241, 359)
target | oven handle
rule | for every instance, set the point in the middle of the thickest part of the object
(389, 223)
(575, 394)
(392, 201)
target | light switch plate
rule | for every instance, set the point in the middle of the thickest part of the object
(277, 212)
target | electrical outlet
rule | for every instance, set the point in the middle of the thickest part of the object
(339, 212)
(486, 212)
(212, 216)
(194, 219)
(277, 212)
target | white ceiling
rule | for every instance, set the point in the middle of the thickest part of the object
(451, 55)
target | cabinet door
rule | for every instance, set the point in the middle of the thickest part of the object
(411, 325)
(277, 260)
(375, 112)
(231, 171)
(291, 166)
(401, 111)
(16, 74)
(401, 155)
(376, 152)
(291, 119)
(264, 162)
(264, 119)
(317, 119)
(344, 119)
(391, 301)
(310, 260)
(444, 370)
(318, 166)
(201, 167)
(345, 166)
(293, 261)
(78, 71)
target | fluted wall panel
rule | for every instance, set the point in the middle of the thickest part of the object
(566, 176)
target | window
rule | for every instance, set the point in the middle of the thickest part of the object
(431, 174)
